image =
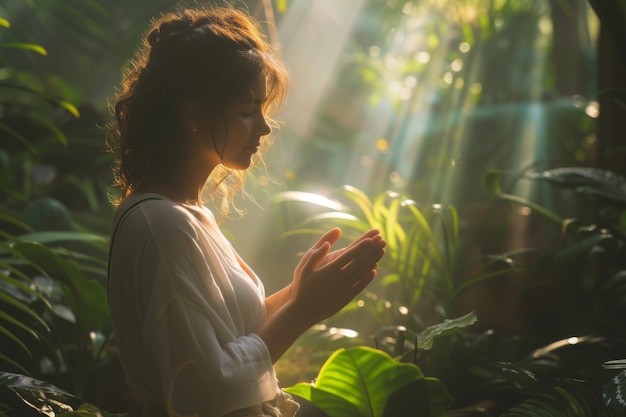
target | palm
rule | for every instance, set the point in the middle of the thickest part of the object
(331, 256)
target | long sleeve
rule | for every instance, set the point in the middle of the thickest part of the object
(183, 306)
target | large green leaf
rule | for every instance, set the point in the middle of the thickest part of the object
(87, 298)
(427, 337)
(367, 382)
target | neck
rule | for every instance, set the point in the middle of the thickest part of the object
(186, 183)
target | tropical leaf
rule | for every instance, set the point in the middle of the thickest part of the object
(492, 183)
(47, 237)
(25, 46)
(366, 382)
(36, 397)
(64, 104)
(567, 398)
(614, 391)
(573, 177)
(86, 298)
(426, 338)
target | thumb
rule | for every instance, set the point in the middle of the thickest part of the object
(317, 255)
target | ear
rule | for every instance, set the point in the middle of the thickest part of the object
(189, 116)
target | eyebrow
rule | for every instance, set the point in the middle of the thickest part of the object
(252, 99)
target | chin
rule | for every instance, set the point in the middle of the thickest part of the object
(242, 166)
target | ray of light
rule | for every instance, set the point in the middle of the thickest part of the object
(313, 36)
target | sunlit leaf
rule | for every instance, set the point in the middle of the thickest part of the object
(309, 198)
(366, 382)
(363, 202)
(394, 235)
(24, 46)
(339, 219)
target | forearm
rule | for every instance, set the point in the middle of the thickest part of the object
(277, 300)
(281, 329)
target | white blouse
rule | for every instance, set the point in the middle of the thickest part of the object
(179, 293)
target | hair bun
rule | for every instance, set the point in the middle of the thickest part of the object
(153, 37)
(176, 28)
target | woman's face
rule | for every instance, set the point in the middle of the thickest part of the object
(239, 132)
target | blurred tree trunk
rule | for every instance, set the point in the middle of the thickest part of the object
(612, 122)
(570, 43)
(611, 80)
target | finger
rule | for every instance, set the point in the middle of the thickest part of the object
(369, 249)
(307, 255)
(349, 254)
(366, 261)
(313, 258)
(370, 234)
(331, 237)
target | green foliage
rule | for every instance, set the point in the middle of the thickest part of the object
(593, 260)
(53, 302)
(54, 317)
(22, 396)
(594, 255)
(407, 344)
(27, 104)
(366, 382)
(568, 398)
(613, 390)
(49, 148)
(421, 260)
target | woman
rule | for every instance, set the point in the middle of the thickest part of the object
(195, 332)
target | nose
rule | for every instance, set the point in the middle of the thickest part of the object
(263, 128)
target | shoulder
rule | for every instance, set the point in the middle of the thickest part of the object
(153, 212)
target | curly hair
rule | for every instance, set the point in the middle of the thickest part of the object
(208, 55)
